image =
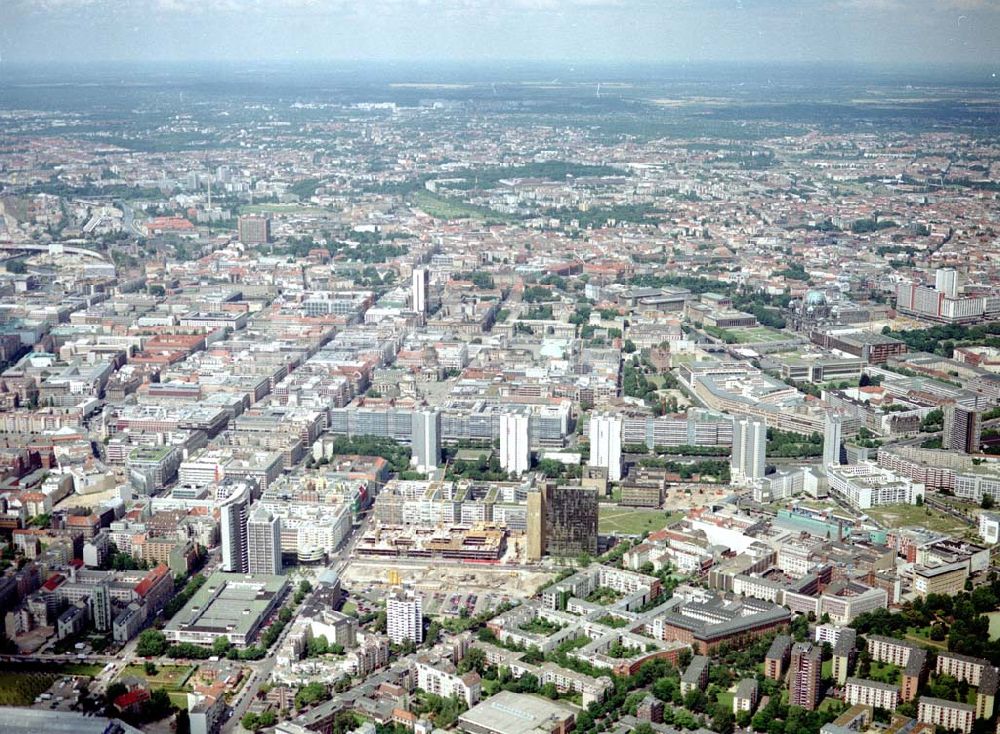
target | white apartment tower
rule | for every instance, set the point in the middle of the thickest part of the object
(515, 442)
(606, 443)
(421, 285)
(426, 440)
(233, 525)
(263, 542)
(404, 617)
(749, 445)
(832, 436)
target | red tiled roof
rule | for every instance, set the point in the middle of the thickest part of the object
(53, 583)
(137, 695)
(151, 579)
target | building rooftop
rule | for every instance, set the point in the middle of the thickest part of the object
(515, 713)
(31, 721)
(228, 603)
(873, 684)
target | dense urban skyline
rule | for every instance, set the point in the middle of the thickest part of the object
(513, 367)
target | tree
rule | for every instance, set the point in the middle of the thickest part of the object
(723, 720)
(268, 718)
(695, 700)
(475, 659)
(149, 667)
(317, 646)
(987, 502)
(220, 646)
(311, 693)
(152, 643)
(114, 690)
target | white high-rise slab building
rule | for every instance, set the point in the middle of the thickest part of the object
(404, 617)
(233, 526)
(749, 446)
(421, 284)
(832, 436)
(515, 442)
(426, 440)
(263, 542)
(946, 281)
(606, 443)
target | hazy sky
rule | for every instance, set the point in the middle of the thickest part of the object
(893, 31)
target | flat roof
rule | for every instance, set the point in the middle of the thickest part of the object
(30, 721)
(228, 603)
(515, 713)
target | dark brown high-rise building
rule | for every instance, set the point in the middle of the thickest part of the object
(963, 425)
(254, 229)
(805, 670)
(562, 521)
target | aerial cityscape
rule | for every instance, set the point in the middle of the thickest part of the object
(466, 395)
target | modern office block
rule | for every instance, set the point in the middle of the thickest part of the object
(233, 525)
(263, 542)
(420, 287)
(426, 443)
(515, 442)
(606, 444)
(749, 446)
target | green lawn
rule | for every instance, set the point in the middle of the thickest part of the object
(901, 516)
(21, 684)
(350, 608)
(831, 704)
(21, 688)
(442, 207)
(994, 625)
(884, 672)
(756, 334)
(922, 636)
(725, 698)
(624, 521)
(827, 669)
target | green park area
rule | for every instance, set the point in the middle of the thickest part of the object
(994, 625)
(902, 516)
(625, 521)
(757, 334)
(725, 699)
(20, 685)
(884, 672)
(442, 207)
